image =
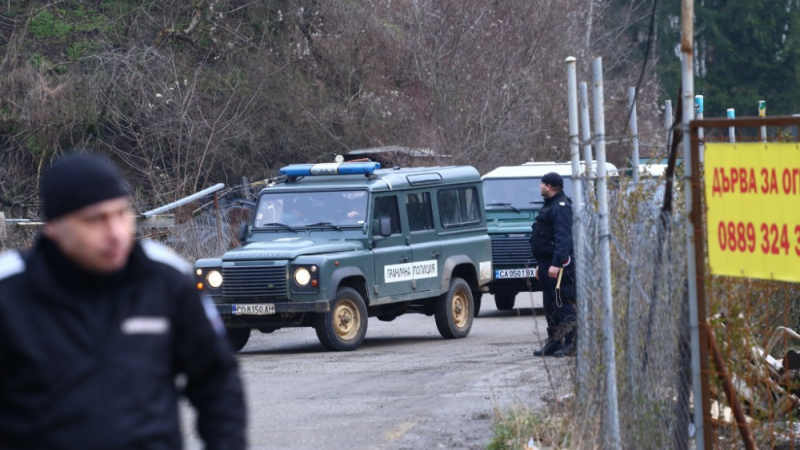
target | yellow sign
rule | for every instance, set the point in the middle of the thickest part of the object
(753, 200)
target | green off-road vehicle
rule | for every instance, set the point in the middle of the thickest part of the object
(513, 198)
(333, 244)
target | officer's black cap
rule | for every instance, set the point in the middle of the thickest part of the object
(553, 179)
(75, 181)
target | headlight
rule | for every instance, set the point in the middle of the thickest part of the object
(302, 276)
(214, 279)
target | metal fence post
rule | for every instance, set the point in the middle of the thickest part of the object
(732, 130)
(698, 111)
(634, 127)
(687, 94)
(586, 137)
(762, 112)
(609, 355)
(577, 217)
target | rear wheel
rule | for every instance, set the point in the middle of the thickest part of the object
(505, 300)
(454, 310)
(238, 337)
(343, 327)
(476, 301)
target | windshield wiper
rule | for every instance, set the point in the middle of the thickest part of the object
(329, 224)
(280, 224)
(507, 205)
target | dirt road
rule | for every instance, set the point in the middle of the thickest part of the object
(405, 388)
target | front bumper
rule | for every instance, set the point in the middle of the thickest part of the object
(318, 306)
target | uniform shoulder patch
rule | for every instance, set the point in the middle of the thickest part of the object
(11, 263)
(165, 255)
(562, 203)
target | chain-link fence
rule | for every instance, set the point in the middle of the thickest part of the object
(210, 233)
(202, 230)
(651, 341)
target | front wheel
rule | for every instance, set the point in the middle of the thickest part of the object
(453, 310)
(505, 300)
(343, 327)
(238, 337)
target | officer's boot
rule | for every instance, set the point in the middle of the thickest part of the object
(550, 347)
(570, 347)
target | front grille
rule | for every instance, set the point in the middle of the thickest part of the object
(512, 251)
(254, 281)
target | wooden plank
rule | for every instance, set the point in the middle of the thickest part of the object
(27, 224)
(157, 221)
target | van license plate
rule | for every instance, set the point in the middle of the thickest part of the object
(514, 273)
(256, 309)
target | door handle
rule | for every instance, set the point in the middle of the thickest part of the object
(435, 255)
(403, 259)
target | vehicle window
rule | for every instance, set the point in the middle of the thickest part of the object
(387, 207)
(298, 209)
(420, 213)
(459, 207)
(521, 193)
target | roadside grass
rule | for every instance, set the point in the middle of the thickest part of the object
(514, 428)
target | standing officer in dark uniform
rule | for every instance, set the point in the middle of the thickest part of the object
(551, 245)
(95, 327)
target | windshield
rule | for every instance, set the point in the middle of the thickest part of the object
(299, 209)
(516, 193)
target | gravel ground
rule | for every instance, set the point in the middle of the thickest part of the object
(404, 388)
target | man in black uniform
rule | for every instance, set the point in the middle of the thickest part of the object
(95, 327)
(551, 245)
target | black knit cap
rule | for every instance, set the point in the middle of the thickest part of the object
(553, 179)
(75, 181)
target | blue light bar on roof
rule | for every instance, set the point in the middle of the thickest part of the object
(301, 170)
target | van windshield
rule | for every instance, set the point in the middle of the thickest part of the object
(300, 209)
(516, 193)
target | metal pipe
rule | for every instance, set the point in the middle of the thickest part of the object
(699, 101)
(687, 94)
(634, 128)
(609, 355)
(762, 112)
(668, 118)
(586, 137)
(184, 200)
(730, 392)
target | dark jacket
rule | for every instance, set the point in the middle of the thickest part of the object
(551, 236)
(90, 361)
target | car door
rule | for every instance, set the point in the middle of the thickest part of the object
(393, 257)
(425, 246)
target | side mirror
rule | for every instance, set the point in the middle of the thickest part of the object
(242, 232)
(385, 226)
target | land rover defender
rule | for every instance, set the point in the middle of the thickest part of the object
(333, 244)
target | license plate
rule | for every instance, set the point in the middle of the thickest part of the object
(256, 309)
(514, 273)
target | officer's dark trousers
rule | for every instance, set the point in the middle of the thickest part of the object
(561, 320)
